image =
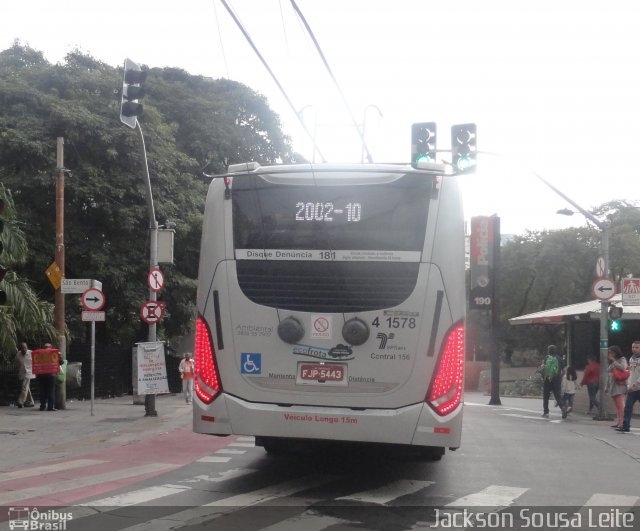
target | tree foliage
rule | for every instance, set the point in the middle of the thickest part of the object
(191, 125)
(548, 269)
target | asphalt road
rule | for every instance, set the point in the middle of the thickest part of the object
(511, 460)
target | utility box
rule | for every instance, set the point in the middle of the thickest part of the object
(165, 246)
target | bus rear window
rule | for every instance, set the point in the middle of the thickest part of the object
(389, 216)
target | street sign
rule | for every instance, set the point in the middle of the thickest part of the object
(92, 299)
(630, 292)
(600, 272)
(155, 279)
(78, 285)
(151, 311)
(603, 289)
(54, 274)
(93, 316)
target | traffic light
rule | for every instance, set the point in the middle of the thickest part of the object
(464, 147)
(615, 323)
(3, 270)
(132, 91)
(423, 143)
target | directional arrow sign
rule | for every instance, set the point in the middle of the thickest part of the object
(603, 289)
(93, 299)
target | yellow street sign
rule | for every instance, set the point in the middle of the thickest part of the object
(54, 275)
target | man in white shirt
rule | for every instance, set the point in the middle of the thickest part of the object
(25, 374)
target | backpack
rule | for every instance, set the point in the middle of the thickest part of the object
(551, 368)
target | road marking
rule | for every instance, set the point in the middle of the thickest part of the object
(47, 469)
(611, 500)
(204, 514)
(246, 438)
(136, 496)
(492, 496)
(76, 483)
(388, 492)
(243, 444)
(230, 451)
(213, 459)
(222, 476)
(309, 521)
(279, 490)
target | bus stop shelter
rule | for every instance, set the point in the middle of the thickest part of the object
(582, 327)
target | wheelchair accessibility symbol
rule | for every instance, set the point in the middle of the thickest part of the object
(250, 363)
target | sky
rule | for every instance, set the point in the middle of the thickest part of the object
(552, 86)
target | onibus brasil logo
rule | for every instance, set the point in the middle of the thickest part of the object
(34, 518)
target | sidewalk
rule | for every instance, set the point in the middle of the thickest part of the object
(530, 409)
(28, 435)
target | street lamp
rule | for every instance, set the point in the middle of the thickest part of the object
(604, 305)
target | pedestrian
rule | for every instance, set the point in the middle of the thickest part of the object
(552, 368)
(616, 388)
(186, 369)
(25, 374)
(633, 386)
(47, 381)
(569, 386)
(591, 378)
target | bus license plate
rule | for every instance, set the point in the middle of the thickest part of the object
(318, 373)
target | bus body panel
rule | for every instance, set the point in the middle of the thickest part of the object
(386, 379)
(410, 425)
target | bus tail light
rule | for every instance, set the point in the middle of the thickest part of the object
(445, 394)
(207, 381)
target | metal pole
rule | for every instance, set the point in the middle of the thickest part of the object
(604, 329)
(604, 306)
(93, 363)
(61, 391)
(150, 399)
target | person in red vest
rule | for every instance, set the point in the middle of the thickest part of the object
(187, 371)
(591, 378)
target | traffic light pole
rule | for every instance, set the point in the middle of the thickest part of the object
(150, 399)
(604, 305)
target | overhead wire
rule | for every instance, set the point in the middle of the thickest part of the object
(273, 76)
(335, 81)
(224, 54)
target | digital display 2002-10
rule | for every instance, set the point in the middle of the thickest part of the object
(319, 211)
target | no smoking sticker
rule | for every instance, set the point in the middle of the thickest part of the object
(321, 326)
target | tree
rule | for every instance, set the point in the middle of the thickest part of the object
(24, 316)
(192, 125)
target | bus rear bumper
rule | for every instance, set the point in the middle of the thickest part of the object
(415, 424)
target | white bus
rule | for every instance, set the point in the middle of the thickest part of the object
(331, 306)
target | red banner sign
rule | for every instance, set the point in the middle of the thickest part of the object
(46, 361)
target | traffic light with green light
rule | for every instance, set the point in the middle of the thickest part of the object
(423, 143)
(464, 148)
(615, 322)
(132, 92)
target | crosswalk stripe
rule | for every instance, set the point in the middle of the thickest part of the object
(309, 521)
(388, 492)
(279, 490)
(48, 469)
(70, 484)
(213, 459)
(243, 444)
(246, 438)
(204, 514)
(611, 500)
(230, 451)
(137, 496)
(492, 496)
